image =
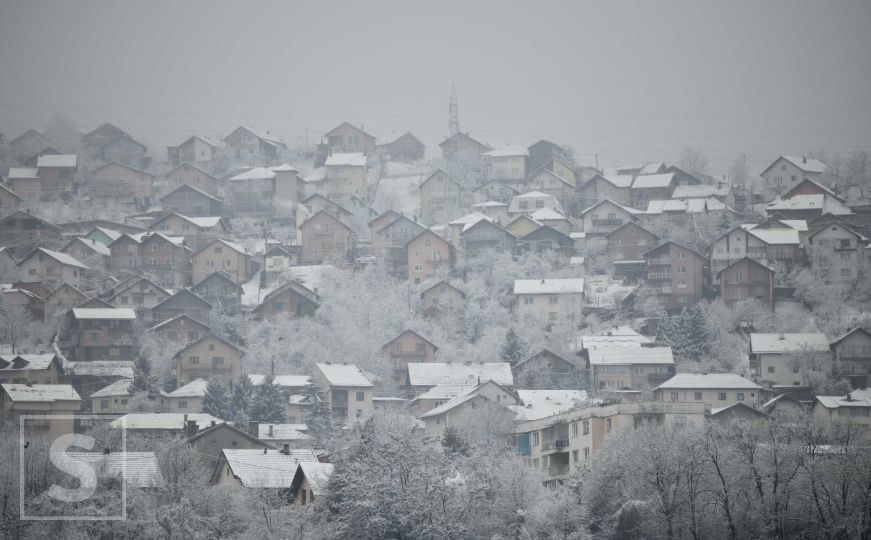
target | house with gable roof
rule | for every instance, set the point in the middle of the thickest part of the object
(403, 148)
(224, 256)
(442, 198)
(190, 201)
(289, 300)
(208, 357)
(347, 390)
(199, 151)
(186, 173)
(52, 268)
(183, 302)
(786, 172)
(254, 147)
(408, 346)
(852, 357)
(442, 296)
(325, 239)
(221, 291)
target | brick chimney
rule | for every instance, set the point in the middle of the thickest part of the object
(254, 428)
(191, 428)
(285, 449)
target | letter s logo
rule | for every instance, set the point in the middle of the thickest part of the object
(73, 467)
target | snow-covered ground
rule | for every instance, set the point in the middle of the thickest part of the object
(398, 188)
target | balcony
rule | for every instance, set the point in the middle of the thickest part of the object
(665, 261)
(651, 276)
(556, 445)
(607, 222)
(560, 469)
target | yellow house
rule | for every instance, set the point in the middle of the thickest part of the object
(429, 255)
(224, 256)
(522, 225)
(208, 357)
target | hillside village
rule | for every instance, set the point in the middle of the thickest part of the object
(308, 323)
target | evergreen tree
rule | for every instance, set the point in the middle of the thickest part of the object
(243, 391)
(454, 443)
(170, 383)
(143, 378)
(319, 418)
(513, 349)
(268, 404)
(687, 334)
(217, 400)
(725, 225)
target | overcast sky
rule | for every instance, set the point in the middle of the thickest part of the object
(631, 81)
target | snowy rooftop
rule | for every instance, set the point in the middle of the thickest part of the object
(776, 236)
(139, 469)
(99, 247)
(41, 392)
(317, 475)
(437, 373)
(281, 432)
(272, 469)
(631, 355)
(63, 258)
(344, 375)
(451, 403)
(700, 191)
(619, 180)
(807, 164)
(117, 388)
(816, 201)
(489, 204)
(649, 181)
(350, 159)
(712, 380)
(23, 172)
(115, 314)
(621, 336)
(779, 343)
(446, 391)
(57, 160)
(858, 398)
(292, 381)
(195, 388)
(543, 403)
(284, 167)
(508, 151)
(101, 368)
(25, 361)
(207, 221)
(549, 286)
(164, 421)
(546, 213)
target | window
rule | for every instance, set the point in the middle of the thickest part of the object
(587, 450)
(535, 438)
(586, 425)
(574, 456)
(608, 425)
(553, 299)
(697, 396)
(770, 369)
(104, 403)
(359, 413)
(182, 404)
(218, 360)
(675, 396)
(527, 300)
(193, 360)
(721, 396)
(740, 396)
(574, 430)
(361, 396)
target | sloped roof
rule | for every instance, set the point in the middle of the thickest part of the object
(188, 187)
(858, 329)
(210, 336)
(98, 247)
(167, 322)
(606, 356)
(165, 421)
(858, 398)
(100, 368)
(650, 181)
(445, 391)
(281, 432)
(508, 151)
(256, 173)
(62, 258)
(195, 388)
(547, 214)
(435, 373)
(117, 388)
(704, 381)
(549, 286)
(114, 314)
(803, 163)
(41, 392)
(123, 166)
(344, 375)
(20, 173)
(349, 159)
(317, 475)
(776, 236)
(781, 343)
(272, 469)
(290, 381)
(138, 469)
(700, 191)
(66, 161)
(410, 331)
(543, 403)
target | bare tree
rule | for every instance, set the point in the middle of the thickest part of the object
(693, 161)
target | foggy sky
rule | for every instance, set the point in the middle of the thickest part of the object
(632, 81)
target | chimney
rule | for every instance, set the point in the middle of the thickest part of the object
(270, 430)
(781, 337)
(804, 159)
(849, 397)
(264, 450)
(254, 428)
(192, 428)
(542, 282)
(106, 451)
(213, 423)
(285, 449)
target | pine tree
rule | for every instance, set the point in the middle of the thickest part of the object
(243, 391)
(513, 349)
(725, 225)
(687, 334)
(217, 400)
(319, 418)
(268, 403)
(143, 379)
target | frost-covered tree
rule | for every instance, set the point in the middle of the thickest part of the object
(687, 334)
(268, 403)
(243, 392)
(513, 350)
(217, 400)
(143, 378)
